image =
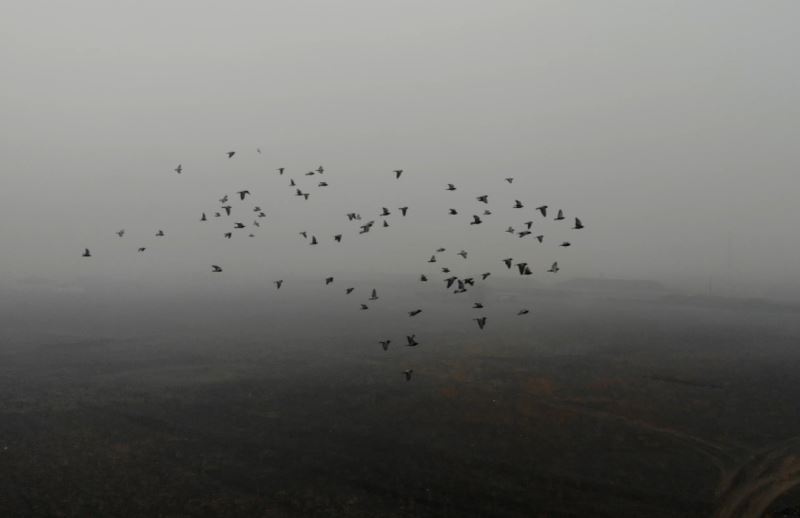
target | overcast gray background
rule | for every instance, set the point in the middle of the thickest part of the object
(670, 128)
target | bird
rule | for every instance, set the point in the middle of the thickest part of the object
(578, 225)
(217, 215)
(453, 212)
(521, 267)
(257, 209)
(322, 184)
(328, 280)
(483, 198)
(280, 170)
(291, 183)
(408, 372)
(509, 180)
(227, 210)
(440, 250)
(397, 173)
(422, 278)
(554, 268)
(374, 295)
(518, 204)
(256, 223)
(86, 253)
(560, 215)
(445, 270)
(476, 220)
(262, 215)
(540, 238)
(385, 344)
(320, 169)
(450, 187)
(414, 312)
(178, 169)
(528, 224)
(364, 306)
(278, 284)
(543, 210)
(508, 262)
(463, 254)
(481, 321)
(522, 312)
(527, 271)
(432, 259)
(215, 268)
(487, 212)
(142, 249)
(524, 233)
(485, 275)
(385, 212)
(510, 230)
(203, 217)
(238, 225)
(411, 340)
(224, 199)
(566, 244)
(385, 223)
(228, 235)
(160, 233)
(403, 210)
(477, 305)
(450, 281)
(349, 290)
(251, 235)
(313, 240)
(121, 232)
(338, 238)
(231, 153)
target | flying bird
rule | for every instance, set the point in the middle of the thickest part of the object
(476, 220)
(485, 275)
(453, 212)
(408, 372)
(313, 240)
(560, 215)
(440, 250)
(278, 284)
(160, 233)
(328, 280)
(508, 262)
(280, 170)
(422, 278)
(543, 210)
(566, 244)
(432, 259)
(509, 180)
(238, 225)
(450, 187)
(224, 199)
(374, 295)
(227, 210)
(403, 210)
(521, 267)
(86, 253)
(203, 217)
(231, 153)
(364, 306)
(338, 238)
(397, 173)
(142, 249)
(178, 169)
(411, 341)
(477, 305)
(385, 344)
(349, 290)
(463, 254)
(518, 204)
(121, 233)
(554, 268)
(522, 312)
(483, 198)
(414, 312)
(215, 268)
(481, 322)
(578, 224)
(228, 235)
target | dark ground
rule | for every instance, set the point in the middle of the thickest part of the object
(602, 405)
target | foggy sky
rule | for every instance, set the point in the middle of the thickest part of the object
(670, 128)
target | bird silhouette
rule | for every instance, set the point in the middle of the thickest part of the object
(203, 217)
(476, 220)
(522, 312)
(313, 240)
(338, 238)
(422, 278)
(242, 194)
(521, 267)
(385, 212)
(228, 235)
(432, 259)
(231, 153)
(509, 180)
(483, 198)
(278, 284)
(481, 322)
(543, 210)
(215, 268)
(453, 212)
(414, 312)
(508, 262)
(160, 233)
(86, 253)
(121, 232)
(280, 170)
(463, 254)
(518, 204)
(554, 268)
(349, 290)
(374, 295)
(560, 215)
(450, 187)
(408, 372)
(403, 210)
(364, 306)
(227, 210)
(477, 305)
(385, 344)
(238, 225)
(565, 244)
(485, 275)
(397, 173)
(224, 199)
(328, 280)
(411, 341)
(578, 225)
(142, 249)
(440, 250)
(178, 169)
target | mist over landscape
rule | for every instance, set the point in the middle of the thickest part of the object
(643, 365)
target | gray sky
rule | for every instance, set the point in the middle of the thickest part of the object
(670, 128)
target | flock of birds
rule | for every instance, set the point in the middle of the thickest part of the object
(461, 284)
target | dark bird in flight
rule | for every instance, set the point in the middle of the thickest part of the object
(522, 312)
(475, 220)
(349, 290)
(540, 238)
(251, 235)
(322, 184)
(521, 267)
(306, 195)
(374, 295)
(527, 271)
(524, 233)
(453, 212)
(445, 270)
(142, 249)
(477, 305)
(403, 210)
(397, 173)
(121, 233)
(86, 253)
(291, 183)
(554, 268)
(385, 344)
(385, 212)
(470, 281)
(450, 187)
(160, 233)
(215, 268)
(278, 284)
(483, 198)
(411, 340)
(510, 230)
(560, 215)
(320, 170)
(179, 169)
(328, 280)
(256, 223)
(414, 312)
(422, 278)
(440, 250)
(385, 223)
(338, 238)
(408, 372)
(509, 180)
(529, 224)
(487, 212)
(481, 322)
(262, 215)
(463, 254)
(227, 210)
(280, 170)
(450, 281)
(217, 215)
(310, 173)
(578, 224)
(231, 153)
(304, 234)
(242, 194)
(518, 204)
(485, 275)
(313, 240)
(203, 217)
(543, 210)
(364, 306)
(508, 262)
(432, 259)
(566, 244)
(224, 199)
(238, 225)
(256, 209)
(228, 235)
